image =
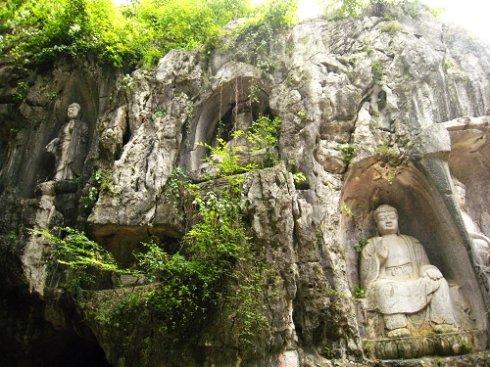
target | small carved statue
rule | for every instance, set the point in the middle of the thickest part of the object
(69, 148)
(480, 242)
(399, 280)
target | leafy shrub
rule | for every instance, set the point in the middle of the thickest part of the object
(377, 70)
(389, 154)
(299, 178)
(346, 8)
(392, 26)
(39, 31)
(214, 276)
(21, 91)
(152, 260)
(262, 137)
(81, 260)
(339, 9)
(226, 158)
(260, 30)
(263, 133)
(162, 26)
(359, 292)
(348, 152)
(101, 181)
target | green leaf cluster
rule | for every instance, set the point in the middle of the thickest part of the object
(80, 259)
(160, 26)
(263, 133)
(214, 277)
(100, 181)
(37, 32)
(339, 9)
(226, 158)
(259, 30)
(261, 137)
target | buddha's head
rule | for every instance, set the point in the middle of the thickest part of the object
(73, 111)
(460, 191)
(386, 218)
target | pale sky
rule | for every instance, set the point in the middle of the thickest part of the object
(471, 14)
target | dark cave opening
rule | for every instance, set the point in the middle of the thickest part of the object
(65, 349)
(28, 340)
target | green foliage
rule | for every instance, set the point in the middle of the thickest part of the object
(81, 259)
(177, 184)
(260, 30)
(263, 133)
(261, 137)
(39, 31)
(348, 152)
(226, 158)
(436, 12)
(271, 16)
(152, 260)
(215, 276)
(328, 352)
(466, 347)
(221, 240)
(36, 32)
(389, 154)
(101, 181)
(392, 26)
(360, 244)
(359, 292)
(339, 9)
(162, 26)
(213, 280)
(21, 91)
(302, 115)
(299, 178)
(346, 210)
(393, 159)
(377, 70)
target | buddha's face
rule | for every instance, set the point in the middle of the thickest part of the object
(387, 222)
(73, 111)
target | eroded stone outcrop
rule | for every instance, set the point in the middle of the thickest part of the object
(369, 115)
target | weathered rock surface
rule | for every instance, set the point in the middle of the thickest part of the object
(368, 116)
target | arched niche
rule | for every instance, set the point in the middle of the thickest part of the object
(469, 162)
(124, 241)
(423, 214)
(214, 119)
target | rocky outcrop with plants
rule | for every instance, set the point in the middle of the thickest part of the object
(226, 190)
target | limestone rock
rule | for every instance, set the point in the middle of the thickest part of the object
(369, 117)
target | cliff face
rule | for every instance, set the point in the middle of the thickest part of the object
(373, 111)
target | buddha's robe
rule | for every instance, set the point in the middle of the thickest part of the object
(395, 273)
(71, 150)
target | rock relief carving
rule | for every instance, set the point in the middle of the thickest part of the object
(69, 148)
(399, 280)
(480, 242)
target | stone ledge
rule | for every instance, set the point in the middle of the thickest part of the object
(449, 344)
(481, 359)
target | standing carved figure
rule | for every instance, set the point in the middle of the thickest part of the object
(480, 242)
(399, 280)
(69, 148)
